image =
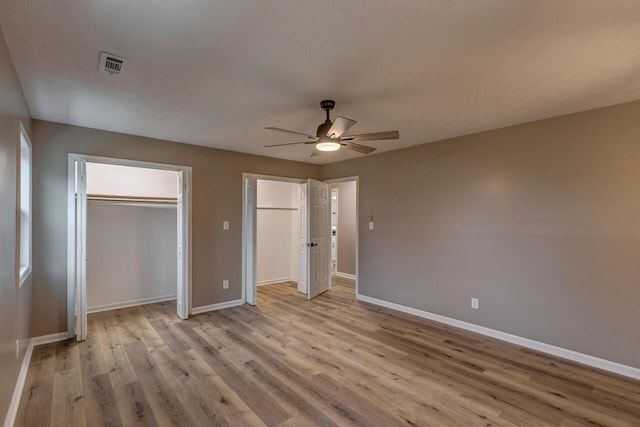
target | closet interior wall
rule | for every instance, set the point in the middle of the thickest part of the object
(277, 232)
(131, 236)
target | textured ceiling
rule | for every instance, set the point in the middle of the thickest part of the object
(216, 73)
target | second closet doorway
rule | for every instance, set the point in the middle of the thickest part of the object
(278, 235)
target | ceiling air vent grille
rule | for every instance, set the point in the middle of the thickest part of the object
(112, 64)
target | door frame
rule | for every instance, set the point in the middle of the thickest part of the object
(357, 181)
(331, 190)
(71, 226)
(249, 265)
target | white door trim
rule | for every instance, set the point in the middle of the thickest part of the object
(249, 276)
(80, 308)
(331, 190)
(357, 181)
(71, 223)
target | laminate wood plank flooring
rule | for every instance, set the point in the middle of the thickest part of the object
(331, 361)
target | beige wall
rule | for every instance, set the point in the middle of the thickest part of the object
(346, 226)
(540, 221)
(217, 196)
(15, 305)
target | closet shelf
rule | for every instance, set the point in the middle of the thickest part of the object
(276, 208)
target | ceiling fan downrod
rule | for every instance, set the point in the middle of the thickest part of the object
(327, 105)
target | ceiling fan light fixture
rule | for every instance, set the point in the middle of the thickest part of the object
(328, 146)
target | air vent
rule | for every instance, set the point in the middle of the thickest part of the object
(112, 64)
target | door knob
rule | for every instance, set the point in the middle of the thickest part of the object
(312, 244)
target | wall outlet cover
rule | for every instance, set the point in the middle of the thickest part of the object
(475, 303)
(225, 284)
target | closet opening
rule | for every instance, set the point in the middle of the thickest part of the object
(279, 250)
(287, 233)
(128, 236)
(294, 220)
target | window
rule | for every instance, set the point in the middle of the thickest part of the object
(24, 206)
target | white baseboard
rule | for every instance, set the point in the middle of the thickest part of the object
(273, 281)
(125, 304)
(345, 275)
(585, 359)
(24, 369)
(218, 306)
(17, 391)
(46, 339)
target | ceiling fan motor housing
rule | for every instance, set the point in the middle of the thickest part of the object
(323, 129)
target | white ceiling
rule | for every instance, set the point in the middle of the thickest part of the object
(216, 73)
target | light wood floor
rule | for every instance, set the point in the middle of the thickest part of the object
(293, 362)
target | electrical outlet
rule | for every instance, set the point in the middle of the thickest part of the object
(17, 349)
(225, 284)
(225, 225)
(475, 303)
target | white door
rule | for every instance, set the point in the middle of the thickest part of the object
(182, 305)
(302, 250)
(319, 241)
(251, 256)
(81, 251)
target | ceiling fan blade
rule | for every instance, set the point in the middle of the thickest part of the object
(317, 153)
(364, 149)
(340, 126)
(291, 132)
(289, 143)
(393, 134)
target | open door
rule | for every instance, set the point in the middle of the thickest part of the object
(81, 251)
(251, 193)
(319, 240)
(302, 250)
(182, 306)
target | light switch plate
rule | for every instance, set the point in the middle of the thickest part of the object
(225, 225)
(370, 225)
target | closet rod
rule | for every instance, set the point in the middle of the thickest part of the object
(129, 199)
(112, 196)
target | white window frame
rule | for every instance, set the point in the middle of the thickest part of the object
(24, 269)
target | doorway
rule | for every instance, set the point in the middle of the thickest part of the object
(344, 232)
(136, 215)
(312, 210)
(278, 238)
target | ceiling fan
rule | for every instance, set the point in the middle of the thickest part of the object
(330, 135)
